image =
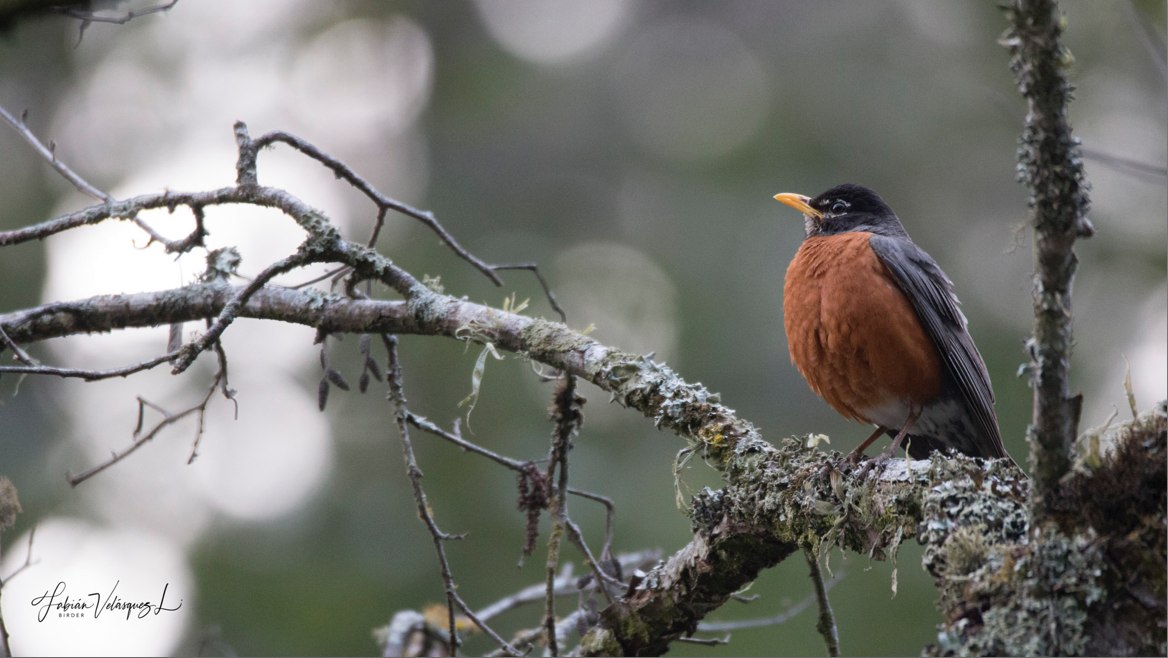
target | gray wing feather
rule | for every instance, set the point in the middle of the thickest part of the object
(931, 294)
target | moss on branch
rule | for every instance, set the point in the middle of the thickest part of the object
(970, 514)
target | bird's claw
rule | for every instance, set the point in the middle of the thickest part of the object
(875, 461)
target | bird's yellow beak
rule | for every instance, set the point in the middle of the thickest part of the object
(799, 202)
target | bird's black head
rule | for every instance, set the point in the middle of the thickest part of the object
(845, 208)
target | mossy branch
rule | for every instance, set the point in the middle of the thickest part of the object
(971, 514)
(1050, 164)
(777, 500)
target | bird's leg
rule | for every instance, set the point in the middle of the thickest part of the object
(908, 423)
(913, 415)
(856, 455)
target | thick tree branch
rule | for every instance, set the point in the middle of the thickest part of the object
(777, 500)
(972, 515)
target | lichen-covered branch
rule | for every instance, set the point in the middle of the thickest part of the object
(777, 499)
(1050, 163)
(1007, 585)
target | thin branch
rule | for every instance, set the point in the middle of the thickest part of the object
(598, 572)
(1126, 165)
(826, 622)
(327, 275)
(567, 584)
(20, 354)
(549, 612)
(49, 154)
(574, 533)
(194, 239)
(27, 560)
(168, 419)
(342, 171)
(1153, 44)
(456, 438)
(397, 399)
(219, 381)
(609, 514)
(789, 613)
(91, 375)
(169, 199)
(118, 19)
(706, 642)
(189, 353)
(551, 297)
(566, 415)
(5, 646)
(563, 628)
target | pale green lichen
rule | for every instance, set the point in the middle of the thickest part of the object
(425, 306)
(317, 299)
(1065, 588)
(434, 283)
(600, 642)
(543, 337)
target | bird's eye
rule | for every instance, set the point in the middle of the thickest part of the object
(838, 208)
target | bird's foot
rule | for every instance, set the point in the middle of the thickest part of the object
(878, 460)
(855, 457)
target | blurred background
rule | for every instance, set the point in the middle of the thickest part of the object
(631, 147)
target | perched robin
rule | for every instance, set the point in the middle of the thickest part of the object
(875, 329)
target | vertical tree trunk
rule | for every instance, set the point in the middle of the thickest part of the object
(1050, 164)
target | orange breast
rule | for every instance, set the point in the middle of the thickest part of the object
(852, 333)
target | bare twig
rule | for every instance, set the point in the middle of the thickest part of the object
(219, 380)
(20, 354)
(189, 353)
(397, 399)
(342, 171)
(9, 506)
(48, 153)
(722, 626)
(7, 517)
(194, 239)
(516, 465)
(118, 19)
(563, 629)
(327, 275)
(384, 203)
(1152, 41)
(567, 583)
(1126, 165)
(706, 642)
(826, 623)
(456, 438)
(200, 410)
(551, 297)
(91, 375)
(609, 513)
(598, 572)
(28, 562)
